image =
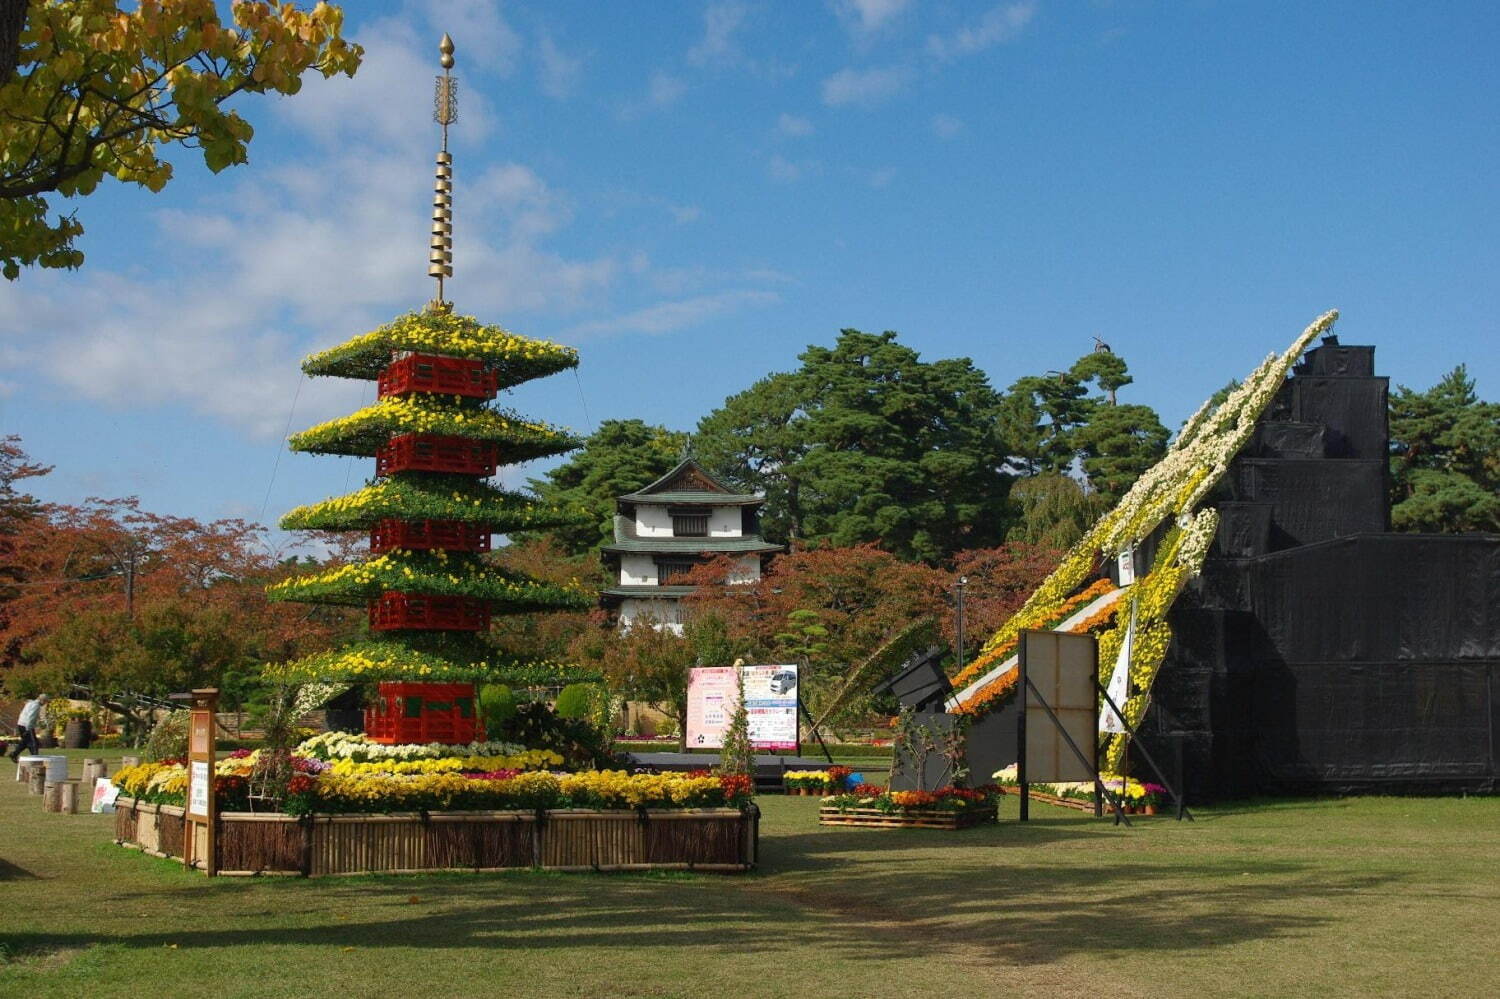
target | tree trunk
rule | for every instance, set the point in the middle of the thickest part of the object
(12, 21)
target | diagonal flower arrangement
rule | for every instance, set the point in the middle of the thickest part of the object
(1172, 492)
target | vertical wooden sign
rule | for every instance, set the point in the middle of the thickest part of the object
(200, 794)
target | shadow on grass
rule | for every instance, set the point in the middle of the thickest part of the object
(864, 893)
(10, 872)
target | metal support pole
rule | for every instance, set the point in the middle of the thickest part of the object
(1146, 754)
(1099, 786)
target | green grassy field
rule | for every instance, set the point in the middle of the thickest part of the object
(1336, 897)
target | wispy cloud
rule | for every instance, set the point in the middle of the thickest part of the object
(866, 16)
(865, 87)
(787, 171)
(794, 125)
(946, 126)
(997, 25)
(662, 91)
(557, 71)
(669, 317)
(720, 22)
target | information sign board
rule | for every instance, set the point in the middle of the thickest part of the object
(770, 704)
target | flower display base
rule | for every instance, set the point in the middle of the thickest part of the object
(1051, 799)
(560, 839)
(911, 818)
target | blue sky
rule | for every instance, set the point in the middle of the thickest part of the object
(692, 193)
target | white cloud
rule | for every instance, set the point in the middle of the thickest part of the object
(683, 214)
(669, 317)
(784, 170)
(881, 177)
(869, 15)
(557, 71)
(865, 87)
(481, 36)
(946, 126)
(665, 89)
(999, 24)
(795, 125)
(720, 22)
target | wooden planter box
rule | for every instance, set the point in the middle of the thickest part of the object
(426, 535)
(1051, 799)
(697, 839)
(437, 453)
(911, 818)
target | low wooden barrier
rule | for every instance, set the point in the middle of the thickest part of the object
(251, 843)
(911, 818)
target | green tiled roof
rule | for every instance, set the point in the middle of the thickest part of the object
(664, 592)
(690, 546)
(694, 498)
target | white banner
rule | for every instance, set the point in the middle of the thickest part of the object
(1119, 680)
(197, 803)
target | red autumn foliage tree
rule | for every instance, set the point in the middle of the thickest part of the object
(129, 602)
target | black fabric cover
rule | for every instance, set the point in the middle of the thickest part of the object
(921, 684)
(1244, 529)
(1287, 439)
(1313, 500)
(1333, 358)
(1354, 410)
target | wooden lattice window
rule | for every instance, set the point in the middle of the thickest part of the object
(690, 523)
(672, 570)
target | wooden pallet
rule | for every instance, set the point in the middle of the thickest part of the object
(1051, 799)
(912, 818)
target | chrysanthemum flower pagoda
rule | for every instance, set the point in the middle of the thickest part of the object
(436, 437)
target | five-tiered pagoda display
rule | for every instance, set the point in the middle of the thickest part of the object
(436, 438)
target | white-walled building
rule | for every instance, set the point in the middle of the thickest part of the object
(665, 530)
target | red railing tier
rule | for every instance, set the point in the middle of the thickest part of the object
(402, 611)
(437, 453)
(423, 712)
(437, 374)
(426, 535)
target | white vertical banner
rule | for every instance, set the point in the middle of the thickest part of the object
(1119, 681)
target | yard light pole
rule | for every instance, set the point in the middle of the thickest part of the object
(963, 582)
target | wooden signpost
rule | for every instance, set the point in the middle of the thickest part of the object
(200, 795)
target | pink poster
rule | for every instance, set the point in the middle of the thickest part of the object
(770, 702)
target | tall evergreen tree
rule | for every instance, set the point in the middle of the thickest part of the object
(1445, 458)
(867, 442)
(618, 458)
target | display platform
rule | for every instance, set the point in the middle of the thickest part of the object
(768, 769)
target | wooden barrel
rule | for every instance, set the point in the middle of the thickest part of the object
(36, 778)
(68, 797)
(78, 733)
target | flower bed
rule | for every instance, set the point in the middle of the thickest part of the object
(702, 839)
(816, 782)
(352, 805)
(945, 808)
(1137, 796)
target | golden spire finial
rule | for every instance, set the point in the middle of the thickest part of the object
(445, 113)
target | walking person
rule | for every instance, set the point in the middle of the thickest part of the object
(26, 727)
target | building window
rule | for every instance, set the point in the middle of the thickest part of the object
(669, 571)
(691, 523)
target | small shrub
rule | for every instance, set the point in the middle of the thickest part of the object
(169, 739)
(497, 706)
(576, 701)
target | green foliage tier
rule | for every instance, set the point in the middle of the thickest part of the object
(514, 359)
(407, 496)
(438, 657)
(435, 573)
(363, 432)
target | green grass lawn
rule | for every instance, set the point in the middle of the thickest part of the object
(1346, 897)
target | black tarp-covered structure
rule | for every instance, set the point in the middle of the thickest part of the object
(1317, 652)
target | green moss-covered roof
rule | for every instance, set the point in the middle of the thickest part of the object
(437, 658)
(515, 359)
(437, 574)
(408, 496)
(363, 432)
